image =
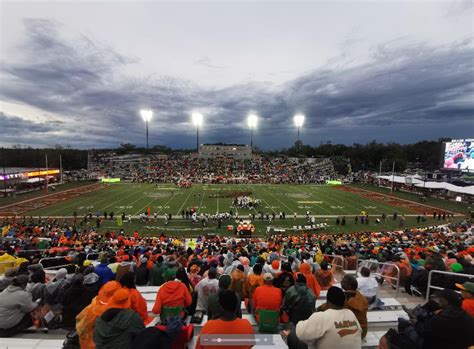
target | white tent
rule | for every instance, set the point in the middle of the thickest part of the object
(431, 185)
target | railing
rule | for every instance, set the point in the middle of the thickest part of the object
(42, 260)
(344, 260)
(396, 278)
(429, 286)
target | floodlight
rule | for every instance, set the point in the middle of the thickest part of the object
(252, 121)
(299, 120)
(146, 114)
(197, 119)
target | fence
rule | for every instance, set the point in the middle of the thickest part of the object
(54, 263)
(379, 264)
(429, 286)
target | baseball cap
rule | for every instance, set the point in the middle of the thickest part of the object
(267, 277)
(467, 286)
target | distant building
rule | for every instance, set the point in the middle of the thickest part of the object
(221, 150)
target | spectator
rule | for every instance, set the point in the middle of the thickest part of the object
(254, 280)
(143, 273)
(467, 293)
(284, 279)
(267, 296)
(156, 277)
(76, 298)
(86, 320)
(227, 324)
(194, 276)
(311, 281)
(54, 290)
(334, 328)
(137, 302)
(172, 293)
(299, 301)
(368, 287)
(450, 327)
(239, 281)
(214, 309)
(355, 301)
(117, 326)
(124, 267)
(37, 284)
(16, 306)
(104, 272)
(325, 276)
(205, 288)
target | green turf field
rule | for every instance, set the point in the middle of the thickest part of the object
(136, 198)
(325, 202)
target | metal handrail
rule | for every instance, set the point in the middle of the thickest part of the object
(341, 256)
(429, 286)
(52, 258)
(397, 278)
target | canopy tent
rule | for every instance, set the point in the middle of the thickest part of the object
(430, 185)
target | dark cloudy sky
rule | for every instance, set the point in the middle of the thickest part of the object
(78, 72)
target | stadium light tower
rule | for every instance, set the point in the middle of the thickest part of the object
(299, 121)
(146, 114)
(252, 121)
(197, 121)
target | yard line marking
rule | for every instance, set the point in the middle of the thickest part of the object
(73, 202)
(184, 202)
(279, 200)
(202, 198)
(166, 204)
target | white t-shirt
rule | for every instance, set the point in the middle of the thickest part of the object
(330, 329)
(204, 289)
(367, 286)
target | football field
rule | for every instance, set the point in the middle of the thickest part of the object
(325, 203)
(134, 199)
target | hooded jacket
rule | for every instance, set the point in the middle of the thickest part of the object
(116, 329)
(15, 303)
(238, 282)
(172, 294)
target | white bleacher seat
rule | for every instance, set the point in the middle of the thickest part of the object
(389, 303)
(27, 343)
(385, 317)
(149, 297)
(249, 317)
(148, 289)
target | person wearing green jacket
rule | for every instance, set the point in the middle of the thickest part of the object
(119, 325)
(157, 272)
(299, 301)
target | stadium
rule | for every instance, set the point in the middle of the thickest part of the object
(210, 191)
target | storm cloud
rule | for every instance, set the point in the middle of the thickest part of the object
(407, 91)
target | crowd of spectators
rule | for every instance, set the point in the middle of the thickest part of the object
(93, 291)
(184, 167)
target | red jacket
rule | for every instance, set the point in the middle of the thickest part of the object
(172, 294)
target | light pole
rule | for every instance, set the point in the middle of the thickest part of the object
(299, 121)
(197, 121)
(252, 121)
(146, 114)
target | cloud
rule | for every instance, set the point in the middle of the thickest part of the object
(82, 82)
(206, 62)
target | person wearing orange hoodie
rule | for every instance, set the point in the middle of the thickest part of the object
(137, 302)
(254, 280)
(85, 321)
(172, 293)
(311, 281)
